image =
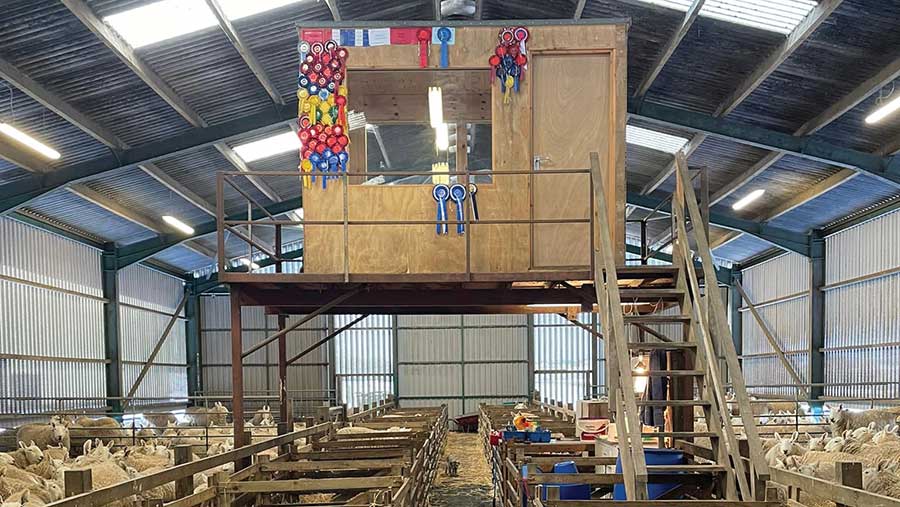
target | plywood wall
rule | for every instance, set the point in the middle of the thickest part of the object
(495, 248)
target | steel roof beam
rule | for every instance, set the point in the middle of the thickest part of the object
(185, 193)
(241, 166)
(53, 102)
(122, 211)
(333, 7)
(141, 250)
(244, 50)
(19, 193)
(779, 237)
(793, 41)
(886, 169)
(23, 157)
(689, 17)
(579, 9)
(125, 53)
(848, 102)
(826, 185)
(667, 171)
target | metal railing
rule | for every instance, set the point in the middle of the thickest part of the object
(256, 246)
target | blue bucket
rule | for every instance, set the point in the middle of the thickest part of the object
(653, 457)
(566, 491)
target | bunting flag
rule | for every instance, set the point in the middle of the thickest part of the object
(322, 108)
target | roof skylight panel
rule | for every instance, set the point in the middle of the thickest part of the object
(167, 19)
(780, 16)
(654, 140)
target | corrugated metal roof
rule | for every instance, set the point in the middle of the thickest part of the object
(742, 248)
(78, 213)
(44, 40)
(712, 59)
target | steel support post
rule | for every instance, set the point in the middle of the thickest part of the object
(737, 327)
(110, 283)
(817, 316)
(283, 402)
(192, 338)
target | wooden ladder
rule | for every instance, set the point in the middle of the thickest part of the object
(706, 338)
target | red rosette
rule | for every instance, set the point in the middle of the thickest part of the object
(320, 148)
(343, 140)
(337, 130)
(494, 60)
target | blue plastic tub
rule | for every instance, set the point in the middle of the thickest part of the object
(539, 436)
(653, 457)
(566, 491)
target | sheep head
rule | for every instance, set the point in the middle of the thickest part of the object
(59, 432)
(33, 453)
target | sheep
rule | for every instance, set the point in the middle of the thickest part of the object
(160, 420)
(888, 434)
(263, 417)
(882, 482)
(39, 491)
(787, 407)
(203, 416)
(44, 434)
(25, 455)
(835, 444)
(104, 427)
(883, 454)
(784, 448)
(816, 443)
(843, 419)
(59, 452)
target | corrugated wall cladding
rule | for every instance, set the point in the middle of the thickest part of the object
(307, 379)
(364, 358)
(563, 356)
(779, 277)
(50, 306)
(862, 317)
(38, 256)
(148, 299)
(768, 371)
(788, 320)
(868, 248)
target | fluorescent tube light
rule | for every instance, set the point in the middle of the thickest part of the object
(884, 111)
(435, 106)
(747, 199)
(249, 264)
(178, 224)
(268, 147)
(29, 141)
(166, 19)
(654, 140)
(442, 137)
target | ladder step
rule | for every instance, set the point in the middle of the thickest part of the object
(672, 373)
(646, 346)
(686, 468)
(673, 403)
(650, 294)
(681, 434)
(657, 319)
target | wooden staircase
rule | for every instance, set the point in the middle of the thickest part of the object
(704, 341)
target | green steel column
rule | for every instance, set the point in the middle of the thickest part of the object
(817, 315)
(110, 284)
(737, 328)
(192, 338)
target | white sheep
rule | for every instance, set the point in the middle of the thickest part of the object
(206, 416)
(783, 448)
(39, 491)
(44, 434)
(842, 419)
(25, 455)
(888, 434)
(263, 417)
(816, 443)
(881, 482)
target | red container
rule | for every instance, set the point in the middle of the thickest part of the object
(495, 438)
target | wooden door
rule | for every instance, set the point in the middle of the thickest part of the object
(572, 117)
